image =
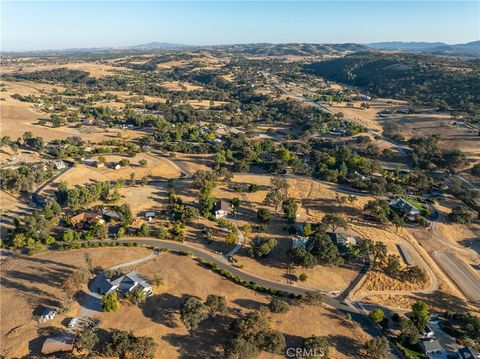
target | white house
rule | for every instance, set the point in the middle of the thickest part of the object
(48, 314)
(59, 165)
(125, 284)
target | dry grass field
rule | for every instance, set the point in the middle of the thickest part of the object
(156, 168)
(314, 199)
(367, 117)
(453, 137)
(180, 86)
(19, 117)
(94, 69)
(205, 104)
(29, 283)
(159, 316)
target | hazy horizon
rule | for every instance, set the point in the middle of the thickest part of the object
(39, 25)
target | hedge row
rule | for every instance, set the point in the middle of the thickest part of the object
(78, 245)
(245, 283)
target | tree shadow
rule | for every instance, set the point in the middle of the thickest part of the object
(162, 309)
(248, 303)
(207, 341)
(346, 345)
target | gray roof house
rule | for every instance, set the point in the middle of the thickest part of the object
(125, 283)
(222, 209)
(433, 349)
(299, 241)
(405, 207)
(343, 240)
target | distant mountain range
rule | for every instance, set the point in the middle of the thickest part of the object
(156, 46)
(470, 48)
(296, 49)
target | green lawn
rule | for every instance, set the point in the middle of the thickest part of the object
(410, 352)
(417, 204)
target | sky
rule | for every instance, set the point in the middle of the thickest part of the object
(41, 25)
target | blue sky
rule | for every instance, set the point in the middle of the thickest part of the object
(68, 24)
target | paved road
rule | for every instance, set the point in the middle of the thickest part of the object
(239, 245)
(465, 279)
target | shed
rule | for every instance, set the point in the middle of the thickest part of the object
(405, 254)
(149, 215)
(58, 344)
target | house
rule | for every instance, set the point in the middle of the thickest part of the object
(136, 224)
(59, 165)
(405, 207)
(150, 215)
(125, 284)
(266, 156)
(467, 353)
(343, 240)
(73, 322)
(299, 241)
(88, 217)
(48, 314)
(222, 209)
(58, 344)
(363, 98)
(112, 215)
(433, 349)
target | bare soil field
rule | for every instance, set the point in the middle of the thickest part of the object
(195, 162)
(29, 283)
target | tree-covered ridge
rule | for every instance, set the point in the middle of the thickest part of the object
(60, 75)
(443, 83)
